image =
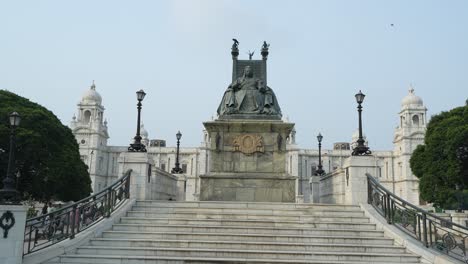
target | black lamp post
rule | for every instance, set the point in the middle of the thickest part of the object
(360, 149)
(320, 171)
(177, 168)
(9, 194)
(137, 146)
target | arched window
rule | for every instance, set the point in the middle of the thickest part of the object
(416, 120)
(402, 121)
(87, 116)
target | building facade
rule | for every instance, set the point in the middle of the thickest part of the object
(392, 166)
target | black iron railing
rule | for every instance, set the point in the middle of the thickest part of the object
(431, 230)
(46, 230)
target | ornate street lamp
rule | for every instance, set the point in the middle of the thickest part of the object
(360, 149)
(9, 194)
(320, 171)
(177, 168)
(137, 146)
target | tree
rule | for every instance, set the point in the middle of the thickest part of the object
(441, 163)
(47, 155)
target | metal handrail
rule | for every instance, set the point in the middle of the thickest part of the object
(64, 223)
(431, 230)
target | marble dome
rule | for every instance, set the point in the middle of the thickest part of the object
(91, 96)
(143, 131)
(411, 99)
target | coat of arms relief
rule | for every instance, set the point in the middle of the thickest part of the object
(248, 144)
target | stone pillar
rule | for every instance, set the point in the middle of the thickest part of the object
(356, 168)
(181, 189)
(460, 218)
(140, 179)
(11, 247)
(314, 183)
(191, 189)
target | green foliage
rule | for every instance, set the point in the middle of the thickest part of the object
(47, 155)
(442, 163)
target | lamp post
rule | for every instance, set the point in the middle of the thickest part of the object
(9, 194)
(360, 149)
(177, 168)
(320, 171)
(137, 146)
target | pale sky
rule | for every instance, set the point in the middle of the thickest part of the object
(321, 54)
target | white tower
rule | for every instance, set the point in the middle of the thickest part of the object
(90, 130)
(408, 135)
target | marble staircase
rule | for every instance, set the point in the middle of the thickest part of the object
(240, 232)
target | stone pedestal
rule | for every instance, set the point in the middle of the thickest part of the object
(314, 183)
(191, 189)
(248, 162)
(11, 247)
(356, 168)
(181, 187)
(141, 165)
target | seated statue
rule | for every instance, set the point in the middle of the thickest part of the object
(249, 95)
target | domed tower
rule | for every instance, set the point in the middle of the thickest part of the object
(408, 135)
(90, 130)
(144, 135)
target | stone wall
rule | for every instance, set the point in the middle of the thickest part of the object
(332, 187)
(163, 185)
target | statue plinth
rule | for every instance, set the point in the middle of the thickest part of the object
(248, 161)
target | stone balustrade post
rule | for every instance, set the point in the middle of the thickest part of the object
(13, 221)
(356, 168)
(140, 180)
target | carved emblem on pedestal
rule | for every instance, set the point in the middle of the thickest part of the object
(7, 221)
(248, 144)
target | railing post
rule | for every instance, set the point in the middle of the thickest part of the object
(109, 202)
(73, 218)
(389, 207)
(127, 186)
(424, 219)
(79, 220)
(369, 191)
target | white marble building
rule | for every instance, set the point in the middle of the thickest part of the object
(393, 170)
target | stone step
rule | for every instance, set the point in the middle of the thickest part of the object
(255, 211)
(254, 223)
(129, 259)
(137, 228)
(240, 236)
(196, 215)
(259, 205)
(247, 254)
(280, 246)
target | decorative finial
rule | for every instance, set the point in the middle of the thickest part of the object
(93, 86)
(251, 54)
(235, 44)
(265, 47)
(235, 49)
(411, 89)
(74, 117)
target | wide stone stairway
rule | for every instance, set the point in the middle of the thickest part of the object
(240, 232)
